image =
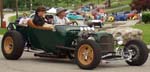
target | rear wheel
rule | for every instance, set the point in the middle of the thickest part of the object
(88, 54)
(12, 45)
(136, 52)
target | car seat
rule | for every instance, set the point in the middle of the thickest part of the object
(31, 24)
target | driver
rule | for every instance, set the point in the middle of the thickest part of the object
(61, 18)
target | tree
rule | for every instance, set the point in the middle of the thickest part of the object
(26, 4)
(109, 3)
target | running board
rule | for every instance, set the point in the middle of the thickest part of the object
(45, 55)
(65, 48)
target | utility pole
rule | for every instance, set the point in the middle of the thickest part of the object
(1, 11)
(16, 9)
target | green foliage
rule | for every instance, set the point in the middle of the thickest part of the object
(12, 18)
(119, 9)
(9, 3)
(118, 3)
(146, 17)
(12, 4)
(25, 4)
(2, 31)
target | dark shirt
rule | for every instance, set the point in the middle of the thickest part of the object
(39, 21)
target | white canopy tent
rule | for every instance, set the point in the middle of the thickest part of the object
(52, 10)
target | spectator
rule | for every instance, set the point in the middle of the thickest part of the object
(23, 21)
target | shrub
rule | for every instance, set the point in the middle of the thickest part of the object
(146, 17)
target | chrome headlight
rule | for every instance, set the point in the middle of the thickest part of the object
(81, 28)
(89, 29)
(92, 28)
(119, 40)
(85, 28)
(91, 38)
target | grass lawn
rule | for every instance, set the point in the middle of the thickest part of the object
(118, 3)
(12, 18)
(119, 10)
(2, 31)
(146, 31)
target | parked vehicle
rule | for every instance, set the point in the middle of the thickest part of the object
(8, 10)
(86, 45)
(73, 16)
(111, 18)
(120, 16)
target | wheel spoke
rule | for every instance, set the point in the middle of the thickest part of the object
(8, 45)
(86, 56)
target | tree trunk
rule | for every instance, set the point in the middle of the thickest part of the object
(1, 11)
(16, 9)
(109, 3)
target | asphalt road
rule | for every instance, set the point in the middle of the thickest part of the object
(29, 63)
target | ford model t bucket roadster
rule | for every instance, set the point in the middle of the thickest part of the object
(83, 44)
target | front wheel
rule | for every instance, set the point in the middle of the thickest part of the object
(88, 54)
(136, 53)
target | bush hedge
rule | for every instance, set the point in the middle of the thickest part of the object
(146, 17)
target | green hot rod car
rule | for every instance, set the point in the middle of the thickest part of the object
(83, 44)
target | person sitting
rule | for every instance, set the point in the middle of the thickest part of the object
(61, 18)
(50, 19)
(39, 18)
(23, 21)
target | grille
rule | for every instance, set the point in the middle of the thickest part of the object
(107, 44)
